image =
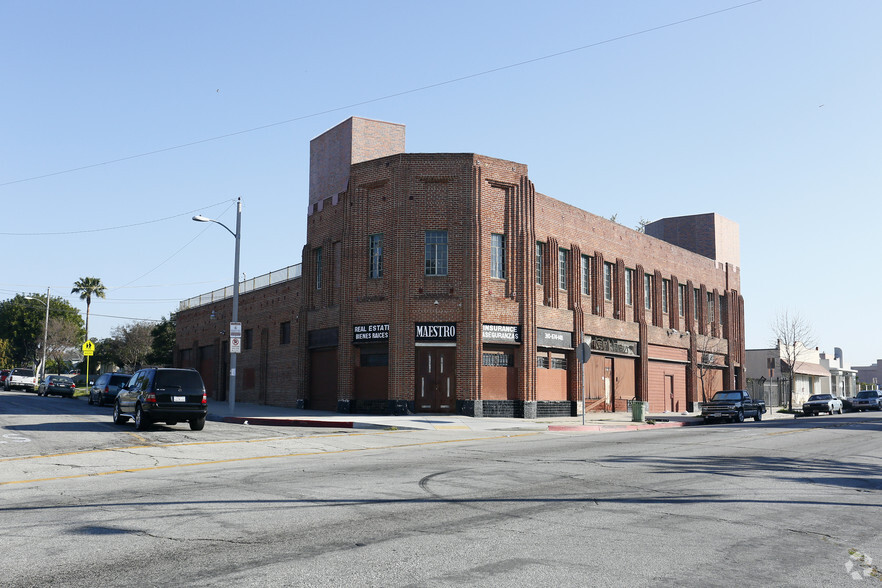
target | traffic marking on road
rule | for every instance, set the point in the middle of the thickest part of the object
(14, 438)
(252, 458)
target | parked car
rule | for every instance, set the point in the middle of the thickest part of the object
(3, 374)
(733, 405)
(106, 387)
(169, 395)
(867, 399)
(21, 379)
(818, 403)
(80, 380)
(60, 385)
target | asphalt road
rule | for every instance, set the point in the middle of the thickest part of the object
(777, 503)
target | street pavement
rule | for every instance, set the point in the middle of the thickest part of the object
(260, 414)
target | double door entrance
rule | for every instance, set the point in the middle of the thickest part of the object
(435, 379)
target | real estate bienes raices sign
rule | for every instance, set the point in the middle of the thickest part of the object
(375, 333)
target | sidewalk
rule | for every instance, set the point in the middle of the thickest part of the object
(258, 414)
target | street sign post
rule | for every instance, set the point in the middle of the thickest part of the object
(236, 337)
(583, 353)
(88, 351)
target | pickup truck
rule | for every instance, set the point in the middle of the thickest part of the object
(733, 405)
(21, 378)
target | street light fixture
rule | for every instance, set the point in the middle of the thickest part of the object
(45, 333)
(237, 235)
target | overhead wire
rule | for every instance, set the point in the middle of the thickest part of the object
(383, 98)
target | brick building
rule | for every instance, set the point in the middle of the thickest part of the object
(447, 283)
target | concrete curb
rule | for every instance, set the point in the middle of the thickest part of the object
(616, 428)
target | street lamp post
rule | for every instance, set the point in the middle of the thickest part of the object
(235, 319)
(45, 334)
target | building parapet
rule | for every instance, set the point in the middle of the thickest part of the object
(292, 272)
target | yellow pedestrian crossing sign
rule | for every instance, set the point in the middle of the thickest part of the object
(88, 348)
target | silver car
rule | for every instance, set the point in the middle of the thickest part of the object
(818, 403)
(867, 400)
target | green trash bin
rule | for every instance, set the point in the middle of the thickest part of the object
(638, 411)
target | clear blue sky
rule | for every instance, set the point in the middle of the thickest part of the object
(769, 114)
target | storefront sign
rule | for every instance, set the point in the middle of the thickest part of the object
(510, 334)
(435, 332)
(606, 344)
(550, 338)
(370, 333)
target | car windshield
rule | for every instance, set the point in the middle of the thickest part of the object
(868, 394)
(820, 397)
(119, 379)
(61, 380)
(727, 395)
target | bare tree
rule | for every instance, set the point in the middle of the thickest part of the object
(135, 343)
(63, 335)
(794, 337)
(710, 352)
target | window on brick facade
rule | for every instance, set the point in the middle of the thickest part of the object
(647, 291)
(497, 359)
(666, 289)
(542, 360)
(317, 254)
(248, 338)
(376, 256)
(681, 299)
(285, 333)
(710, 307)
(607, 281)
(696, 299)
(629, 282)
(586, 274)
(540, 256)
(436, 253)
(562, 269)
(497, 256)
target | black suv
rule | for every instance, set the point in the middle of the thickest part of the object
(106, 387)
(162, 394)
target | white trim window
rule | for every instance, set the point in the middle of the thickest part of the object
(497, 256)
(436, 253)
(562, 269)
(586, 275)
(376, 256)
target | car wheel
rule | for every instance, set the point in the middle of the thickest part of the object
(118, 418)
(839, 411)
(708, 420)
(141, 420)
(101, 400)
(759, 415)
(197, 424)
(739, 416)
(91, 399)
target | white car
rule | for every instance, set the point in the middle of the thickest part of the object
(21, 379)
(818, 403)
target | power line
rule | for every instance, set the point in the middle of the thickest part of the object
(379, 99)
(115, 227)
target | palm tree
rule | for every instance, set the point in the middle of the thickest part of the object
(86, 288)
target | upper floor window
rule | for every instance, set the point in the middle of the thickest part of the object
(540, 256)
(285, 333)
(629, 281)
(710, 307)
(696, 295)
(647, 291)
(562, 269)
(248, 339)
(666, 288)
(497, 256)
(681, 299)
(586, 274)
(376, 256)
(318, 268)
(436, 253)
(607, 281)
